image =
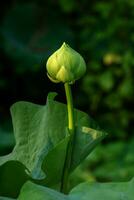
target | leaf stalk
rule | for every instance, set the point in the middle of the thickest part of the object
(71, 129)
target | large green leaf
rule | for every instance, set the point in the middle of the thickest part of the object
(84, 191)
(37, 192)
(104, 191)
(12, 177)
(41, 141)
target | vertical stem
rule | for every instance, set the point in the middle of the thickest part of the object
(66, 170)
(70, 108)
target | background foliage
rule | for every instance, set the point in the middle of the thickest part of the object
(103, 32)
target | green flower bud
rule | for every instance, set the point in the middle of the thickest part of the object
(65, 65)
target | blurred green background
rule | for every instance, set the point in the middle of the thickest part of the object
(103, 32)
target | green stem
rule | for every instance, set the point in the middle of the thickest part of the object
(66, 170)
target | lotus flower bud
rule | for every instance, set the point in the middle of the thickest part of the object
(65, 65)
